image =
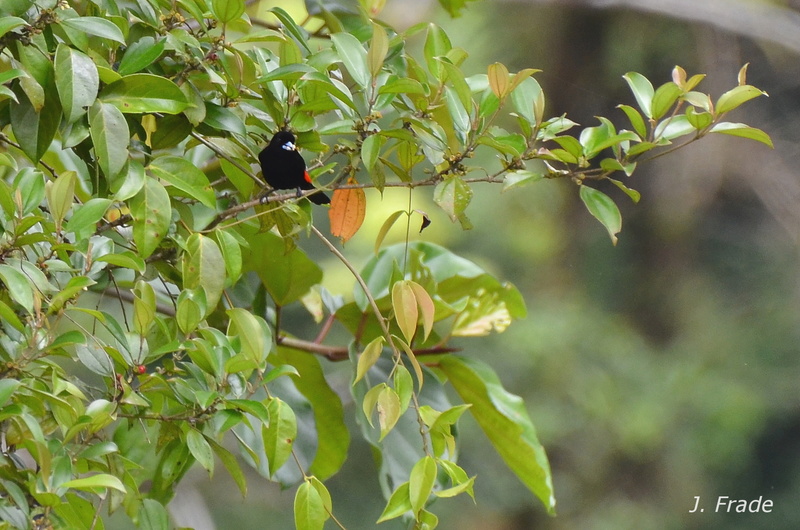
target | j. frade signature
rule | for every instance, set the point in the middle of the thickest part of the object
(727, 505)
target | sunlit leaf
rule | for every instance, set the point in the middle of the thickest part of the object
(97, 26)
(145, 93)
(642, 90)
(353, 56)
(744, 131)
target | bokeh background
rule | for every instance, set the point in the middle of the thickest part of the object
(655, 371)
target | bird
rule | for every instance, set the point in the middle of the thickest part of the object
(284, 168)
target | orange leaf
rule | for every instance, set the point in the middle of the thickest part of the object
(348, 208)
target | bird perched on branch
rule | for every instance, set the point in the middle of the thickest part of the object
(284, 168)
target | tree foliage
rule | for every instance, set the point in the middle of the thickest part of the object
(145, 271)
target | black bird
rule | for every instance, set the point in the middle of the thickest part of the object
(284, 168)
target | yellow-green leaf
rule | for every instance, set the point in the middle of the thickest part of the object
(60, 196)
(279, 435)
(388, 410)
(93, 482)
(420, 483)
(369, 357)
(309, 510)
(378, 48)
(404, 304)
(498, 80)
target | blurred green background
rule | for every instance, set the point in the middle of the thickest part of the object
(655, 371)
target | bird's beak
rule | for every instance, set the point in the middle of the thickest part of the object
(289, 146)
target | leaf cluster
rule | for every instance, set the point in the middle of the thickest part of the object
(144, 271)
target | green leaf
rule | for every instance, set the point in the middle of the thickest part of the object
(126, 259)
(459, 114)
(370, 150)
(633, 194)
(231, 252)
(454, 7)
(399, 503)
(223, 119)
(10, 317)
(34, 127)
(369, 357)
(230, 463)
(437, 44)
(385, 227)
(744, 131)
(95, 359)
(7, 388)
(400, 85)
(204, 267)
(144, 307)
(97, 26)
(99, 481)
(227, 10)
(77, 513)
(77, 81)
(519, 178)
(141, 54)
(110, 136)
(200, 449)
(699, 120)
(603, 209)
(289, 72)
(19, 288)
(736, 96)
(353, 56)
(642, 90)
(9, 23)
(291, 27)
(279, 435)
(60, 196)
(186, 177)
(665, 96)
(253, 333)
(309, 510)
(528, 100)
(287, 277)
(151, 212)
(333, 436)
(453, 195)
(504, 420)
(84, 221)
(145, 93)
(420, 483)
(635, 118)
(153, 515)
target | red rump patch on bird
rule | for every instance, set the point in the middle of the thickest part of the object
(307, 176)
